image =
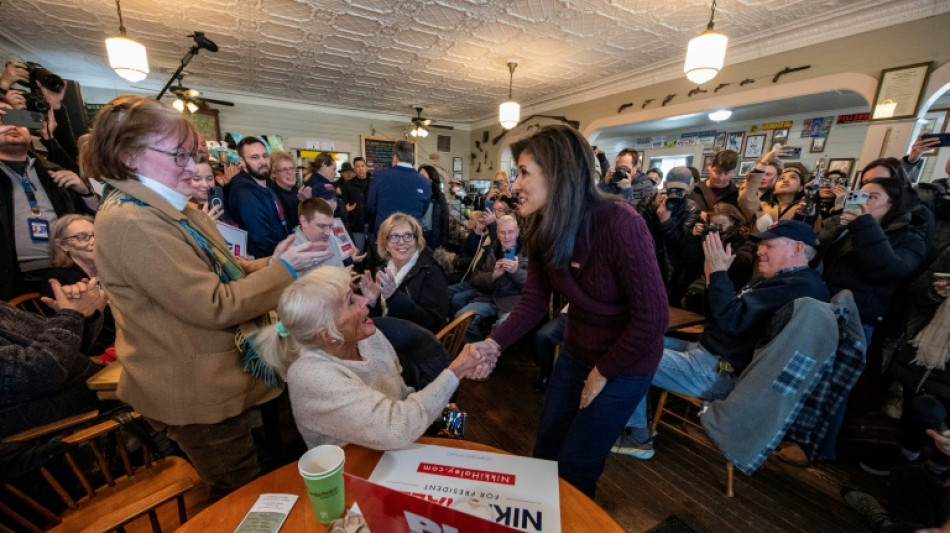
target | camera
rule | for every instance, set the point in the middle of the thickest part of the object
(619, 174)
(39, 75)
(711, 228)
(675, 198)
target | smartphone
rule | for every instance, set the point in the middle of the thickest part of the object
(510, 254)
(21, 117)
(216, 197)
(855, 199)
(944, 138)
(942, 275)
(496, 183)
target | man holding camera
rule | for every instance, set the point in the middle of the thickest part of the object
(625, 178)
(31, 199)
(671, 217)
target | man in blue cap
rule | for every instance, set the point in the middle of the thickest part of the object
(708, 368)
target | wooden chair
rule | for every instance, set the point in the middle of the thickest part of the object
(453, 335)
(28, 302)
(128, 493)
(689, 427)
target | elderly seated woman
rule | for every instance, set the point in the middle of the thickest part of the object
(344, 376)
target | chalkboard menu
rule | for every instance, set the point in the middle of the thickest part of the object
(378, 152)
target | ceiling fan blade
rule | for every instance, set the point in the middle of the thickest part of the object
(218, 102)
(442, 127)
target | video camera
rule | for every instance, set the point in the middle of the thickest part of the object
(39, 75)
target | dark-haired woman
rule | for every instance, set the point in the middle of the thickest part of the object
(598, 254)
(872, 249)
(436, 220)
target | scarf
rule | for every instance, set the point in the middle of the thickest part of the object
(399, 276)
(933, 342)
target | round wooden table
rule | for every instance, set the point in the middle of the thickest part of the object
(578, 512)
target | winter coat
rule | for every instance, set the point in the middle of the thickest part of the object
(673, 242)
(505, 290)
(423, 296)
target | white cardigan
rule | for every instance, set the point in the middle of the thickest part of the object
(366, 402)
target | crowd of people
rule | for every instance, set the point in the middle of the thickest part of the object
(143, 274)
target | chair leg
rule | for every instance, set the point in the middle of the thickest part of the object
(658, 412)
(729, 471)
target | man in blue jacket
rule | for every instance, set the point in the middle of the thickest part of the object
(710, 367)
(399, 188)
(252, 204)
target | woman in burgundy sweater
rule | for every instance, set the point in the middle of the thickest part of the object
(597, 252)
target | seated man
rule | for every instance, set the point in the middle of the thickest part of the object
(316, 225)
(498, 278)
(709, 368)
(43, 368)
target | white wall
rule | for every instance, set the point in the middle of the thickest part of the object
(299, 123)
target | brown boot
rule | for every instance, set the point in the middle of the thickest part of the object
(790, 453)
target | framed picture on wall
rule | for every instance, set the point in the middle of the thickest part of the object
(899, 91)
(818, 144)
(456, 164)
(754, 145)
(720, 141)
(734, 141)
(746, 166)
(779, 136)
(707, 160)
(844, 165)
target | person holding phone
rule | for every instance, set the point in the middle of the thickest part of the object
(871, 247)
(203, 187)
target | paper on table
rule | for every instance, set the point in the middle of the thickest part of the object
(267, 514)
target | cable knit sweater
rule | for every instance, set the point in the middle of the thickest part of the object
(366, 402)
(618, 308)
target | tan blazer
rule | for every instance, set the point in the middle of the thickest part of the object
(174, 317)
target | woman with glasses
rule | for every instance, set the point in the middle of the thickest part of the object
(203, 183)
(411, 286)
(283, 181)
(71, 252)
(179, 296)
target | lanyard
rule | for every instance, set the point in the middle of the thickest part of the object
(28, 189)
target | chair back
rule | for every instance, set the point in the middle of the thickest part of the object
(453, 335)
(98, 467)
(29, 302)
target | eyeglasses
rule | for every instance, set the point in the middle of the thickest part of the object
(80, 237)
(405, 237)
(285, 170)
(181, 158)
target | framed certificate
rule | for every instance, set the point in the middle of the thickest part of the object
(899, 91)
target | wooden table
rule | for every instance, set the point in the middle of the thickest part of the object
(106, 381)
(681, 318)
(578, 512)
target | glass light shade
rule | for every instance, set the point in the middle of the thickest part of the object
(179, 104)
(192, 107)
(705, 56)
(885, 109)
(419, 131)
(127, 58)
(509, 113)
(719, 116)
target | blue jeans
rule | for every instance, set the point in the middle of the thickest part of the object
(460, 294)
(580, 439)
(482, 310)
(686, 368)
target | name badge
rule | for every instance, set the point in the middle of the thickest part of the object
(39, 229)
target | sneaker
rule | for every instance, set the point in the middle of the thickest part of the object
(626, 445)
(866, 505)
(894, 403)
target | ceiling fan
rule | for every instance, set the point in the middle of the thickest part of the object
(190, 99)
(421, 125)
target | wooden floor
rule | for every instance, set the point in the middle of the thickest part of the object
(684, 478)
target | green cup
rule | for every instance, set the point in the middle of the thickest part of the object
(322, 471)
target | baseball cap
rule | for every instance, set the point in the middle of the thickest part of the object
(790, 229)
(678, 178)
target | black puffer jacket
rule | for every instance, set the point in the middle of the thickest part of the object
(871, 261)
(423, 296)
(674, 243)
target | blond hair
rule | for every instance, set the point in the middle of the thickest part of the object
(277, 157)
(387, 226)
(57, 256)
(306, 309)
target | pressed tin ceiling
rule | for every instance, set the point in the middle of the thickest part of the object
(383, 55)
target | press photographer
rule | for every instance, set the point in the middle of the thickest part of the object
(625, 179)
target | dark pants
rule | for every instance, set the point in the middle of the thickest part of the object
(546, 340)
(223, 454)
(916, 500)
(921, 412)
(580, 439)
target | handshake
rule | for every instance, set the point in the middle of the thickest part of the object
(476, 361)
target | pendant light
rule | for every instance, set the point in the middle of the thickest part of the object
(509, 113)
(126, 57)
(706, 53)
(419, 131)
